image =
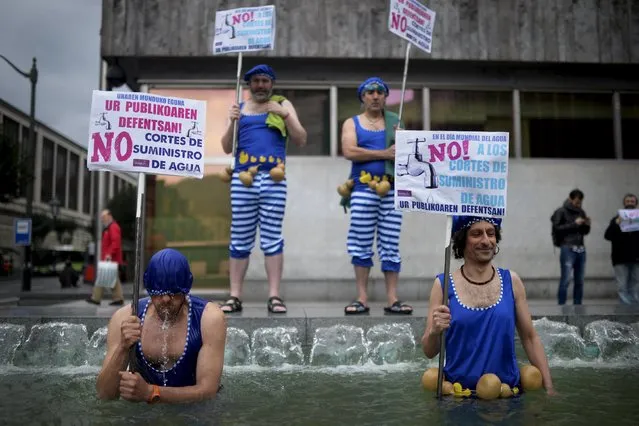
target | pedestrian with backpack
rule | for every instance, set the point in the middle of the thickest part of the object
(570, 224)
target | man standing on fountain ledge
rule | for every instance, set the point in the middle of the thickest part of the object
(179, 340)
(368, 141)
(485, 305)
(265, 124)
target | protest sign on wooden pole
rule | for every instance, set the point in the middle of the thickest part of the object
(145, 134)
(245, 29)
(451, 173)
(414, 22)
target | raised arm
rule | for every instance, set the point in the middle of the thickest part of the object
(528, 335)
(355, 153)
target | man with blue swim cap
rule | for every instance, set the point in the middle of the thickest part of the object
(485, 307)
(179, 340)
(258, 187)
(368, 141)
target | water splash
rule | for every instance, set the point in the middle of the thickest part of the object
(339, 345)
(615, 340)
(562, 341)
(391, 343)
(54, 344)
(97, 347)
(11, 336)
(237, 349)
(165, 328)
(276, 346)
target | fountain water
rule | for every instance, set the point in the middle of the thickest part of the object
(59, 344)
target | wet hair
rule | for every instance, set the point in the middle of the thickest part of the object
(459, 240)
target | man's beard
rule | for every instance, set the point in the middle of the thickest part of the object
(261, 96)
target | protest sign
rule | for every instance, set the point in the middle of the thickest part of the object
(143, 133)
(629, 220)
(452, 173)
(244, 29)
(412, 21)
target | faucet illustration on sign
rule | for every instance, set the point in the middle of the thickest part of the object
(102, 121)
(193, 131)
(416, 166)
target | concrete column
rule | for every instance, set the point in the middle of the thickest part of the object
(616, 121)
(517, 124)
(334, 122)
(426, 108)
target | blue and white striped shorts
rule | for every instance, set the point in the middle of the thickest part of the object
(371, 213)
(262, 203)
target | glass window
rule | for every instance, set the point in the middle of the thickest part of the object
(116, 185)
(11, 128)
(61, 175)
(348, 105)
(567, 125)
(107, 188)
(88, 193)
(46, 189)
(473, 111)
(313, 108)
(630, 125)
(74, 161)
(194, 216)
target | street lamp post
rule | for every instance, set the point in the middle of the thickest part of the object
(32, 75)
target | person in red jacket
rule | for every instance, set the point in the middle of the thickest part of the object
(111, 250)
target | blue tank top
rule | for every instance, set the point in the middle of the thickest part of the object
(258, 144)
(482, 340)
(183, 371)
(369, 139)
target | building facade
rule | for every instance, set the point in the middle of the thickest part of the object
(61, 174)
(562, 77)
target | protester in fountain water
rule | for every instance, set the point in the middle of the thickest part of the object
(179, 340)
(485, 306)
(625, 255)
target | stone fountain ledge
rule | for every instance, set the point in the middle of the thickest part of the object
(308, 317)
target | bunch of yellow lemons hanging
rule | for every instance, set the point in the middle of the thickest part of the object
(277, 173)
(380, 185)
(489, 385)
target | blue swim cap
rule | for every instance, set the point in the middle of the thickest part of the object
(371, 83)
(168, 272)
(463, 222)
(260, 70)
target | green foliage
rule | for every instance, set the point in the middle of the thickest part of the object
(15, 170)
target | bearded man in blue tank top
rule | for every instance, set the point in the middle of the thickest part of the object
(368, 141)
(178, 339)
(266, 123)
(485, 306)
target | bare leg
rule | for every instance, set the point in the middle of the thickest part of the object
(274, 265)
(391, 286)
(361, 280)
(237, 272)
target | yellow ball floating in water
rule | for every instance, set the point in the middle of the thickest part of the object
(505, 392)
(429, 379)
(489, 386)
(530, 377)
